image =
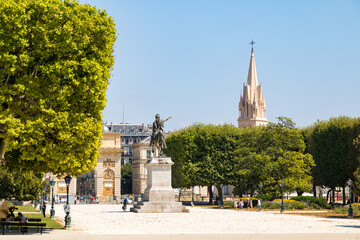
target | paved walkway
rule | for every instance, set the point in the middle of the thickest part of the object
(110, 222)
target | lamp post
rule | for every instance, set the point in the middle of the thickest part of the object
(260, 186)
(350, 212)
(282, 197)
(67, 207)
(52, 211)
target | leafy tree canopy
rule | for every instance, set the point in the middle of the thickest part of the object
(333, 144)
(55, 62)
(203, 154)
(21, 185)
(271, 155)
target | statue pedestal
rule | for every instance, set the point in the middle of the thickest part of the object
(159, 196)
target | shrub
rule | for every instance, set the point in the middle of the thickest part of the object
(271, 205)
(291, 204)
(228, 204)
(312, 201)
(4, 209)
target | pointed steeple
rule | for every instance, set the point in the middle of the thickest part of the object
(252, 105)
(252, 75)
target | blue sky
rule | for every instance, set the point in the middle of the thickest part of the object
(189, 59)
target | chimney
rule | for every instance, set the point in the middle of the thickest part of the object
(111, 127)
(143, 127)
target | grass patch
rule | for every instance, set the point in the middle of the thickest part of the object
(50, 223)
(328, 214)
(26, 209)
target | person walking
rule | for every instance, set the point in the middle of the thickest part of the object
(259, 204)
(43, 209)
(235, 205)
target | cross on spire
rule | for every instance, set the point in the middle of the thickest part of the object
(252, 45)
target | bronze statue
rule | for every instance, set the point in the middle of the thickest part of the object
(157, 141)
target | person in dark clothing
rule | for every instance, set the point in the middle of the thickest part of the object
(11, 210)
(43, 209)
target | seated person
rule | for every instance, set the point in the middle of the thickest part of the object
(23, 218)
(7, 220)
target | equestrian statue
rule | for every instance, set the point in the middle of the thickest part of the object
(157, 142)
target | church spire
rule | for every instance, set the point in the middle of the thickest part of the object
(252, 105)
(252, 75)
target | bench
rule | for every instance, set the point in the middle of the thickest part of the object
(18, 219)
(23, 226)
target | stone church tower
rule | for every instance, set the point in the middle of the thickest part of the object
(252, 105)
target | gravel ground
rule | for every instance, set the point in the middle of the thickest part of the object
(110, 219)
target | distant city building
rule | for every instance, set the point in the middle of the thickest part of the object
(141, 153)
(252, 105)
(105, 180)
(130, 134)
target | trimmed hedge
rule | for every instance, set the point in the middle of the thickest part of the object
(291, 204)
(313, 202)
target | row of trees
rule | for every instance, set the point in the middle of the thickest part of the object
(220, 155)
(325, 154)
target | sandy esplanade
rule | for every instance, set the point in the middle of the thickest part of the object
(110, 219)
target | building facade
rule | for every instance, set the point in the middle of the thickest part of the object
(130, 135)
(141, 153)
(104, 181)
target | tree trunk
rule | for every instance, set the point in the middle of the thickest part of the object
(211, 195)
(333, 195)
(328, 195)
(314, 190)
(344, 196)
(192, 193)
(219, 188)
(2, 143)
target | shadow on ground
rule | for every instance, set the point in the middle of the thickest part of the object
(348, 226)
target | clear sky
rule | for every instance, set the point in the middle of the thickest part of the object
(189, 59)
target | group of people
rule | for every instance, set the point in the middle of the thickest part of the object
(11, 216)
(239, 204)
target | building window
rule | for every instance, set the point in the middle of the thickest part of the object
(122, 161)
(226, 190)
(122, 140)
(148, 153)
(130, 161)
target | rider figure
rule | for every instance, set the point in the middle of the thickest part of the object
(157, 137)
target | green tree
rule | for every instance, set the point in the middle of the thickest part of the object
(126, 178)
(204, 154)
(55, 62)
(271, 155)
(332, 145)
(21, 185)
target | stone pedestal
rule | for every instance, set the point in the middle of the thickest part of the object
(159, 196)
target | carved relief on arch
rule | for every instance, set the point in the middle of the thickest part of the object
(109, 174)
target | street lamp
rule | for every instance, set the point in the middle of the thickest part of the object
(52, 211)
(282, 184)
(67, 207)
(350, 212)
(260, 186)
(259, 201)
